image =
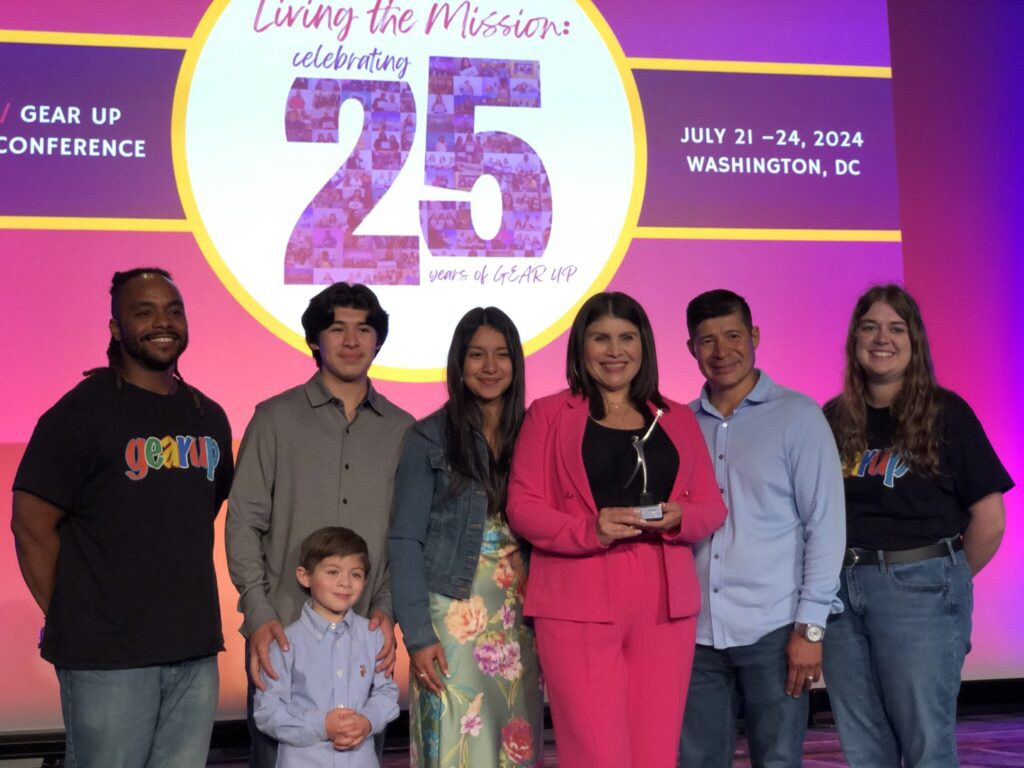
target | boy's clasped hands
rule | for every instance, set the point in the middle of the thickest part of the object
(346, 728)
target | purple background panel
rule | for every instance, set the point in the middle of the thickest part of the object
(804, 31)
(679, 197)
(177, 18)
(138, 82)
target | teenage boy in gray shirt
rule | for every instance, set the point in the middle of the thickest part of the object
(321, 454)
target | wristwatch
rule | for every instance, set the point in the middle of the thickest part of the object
(812, 633)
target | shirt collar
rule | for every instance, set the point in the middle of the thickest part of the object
(319, 627)
(318, 394)
(762, 392)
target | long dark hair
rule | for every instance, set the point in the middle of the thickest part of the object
(644, 386)
(464, 417)
(915, 409)
(115, 354)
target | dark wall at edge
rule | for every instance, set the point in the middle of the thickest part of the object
(958, 88)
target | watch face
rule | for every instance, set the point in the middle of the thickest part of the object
(814, 633)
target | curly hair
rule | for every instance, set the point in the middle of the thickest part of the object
(115, 354)
(916, 407)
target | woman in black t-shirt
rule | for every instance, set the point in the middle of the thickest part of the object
(924, 506)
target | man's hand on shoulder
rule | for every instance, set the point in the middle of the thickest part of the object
(386, 658)
(259, 651)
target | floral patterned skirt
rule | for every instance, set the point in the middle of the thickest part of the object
(492, 709)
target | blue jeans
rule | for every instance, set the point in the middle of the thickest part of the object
(160, 717)
(751, 678)
(893, 660)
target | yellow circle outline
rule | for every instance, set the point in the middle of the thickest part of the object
(390, 373)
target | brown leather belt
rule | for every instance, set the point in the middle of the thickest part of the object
(858, 556)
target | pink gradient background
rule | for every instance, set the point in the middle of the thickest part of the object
(955, 87)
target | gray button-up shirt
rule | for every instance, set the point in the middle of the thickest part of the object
(302, 466)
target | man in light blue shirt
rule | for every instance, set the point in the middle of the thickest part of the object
(770, 575)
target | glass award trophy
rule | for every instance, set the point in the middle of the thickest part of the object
(649, 510)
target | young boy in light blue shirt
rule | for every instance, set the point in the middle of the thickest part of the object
(327, 698)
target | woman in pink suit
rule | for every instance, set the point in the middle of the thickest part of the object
(614, 596)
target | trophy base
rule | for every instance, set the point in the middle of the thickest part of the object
(650, 512)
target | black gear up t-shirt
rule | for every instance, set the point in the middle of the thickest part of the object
(140, 478)
(891, 507)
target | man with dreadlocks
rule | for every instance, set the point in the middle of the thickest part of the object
(114, 503)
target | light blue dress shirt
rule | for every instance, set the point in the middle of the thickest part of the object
(327, 665)
(777, 558)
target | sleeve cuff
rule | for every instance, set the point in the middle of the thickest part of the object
(376, 723)
(257, 616)
(812, 613)
(420, 638)
(384, 606)
(381, 709)
(315, 721)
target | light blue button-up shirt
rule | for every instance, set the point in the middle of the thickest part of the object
(777, 558)
(327, 665)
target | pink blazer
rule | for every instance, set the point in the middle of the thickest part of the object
(551, 506)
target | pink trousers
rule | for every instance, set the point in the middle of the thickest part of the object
(618, 690)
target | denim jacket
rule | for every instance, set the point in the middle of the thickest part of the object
(435, 538)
